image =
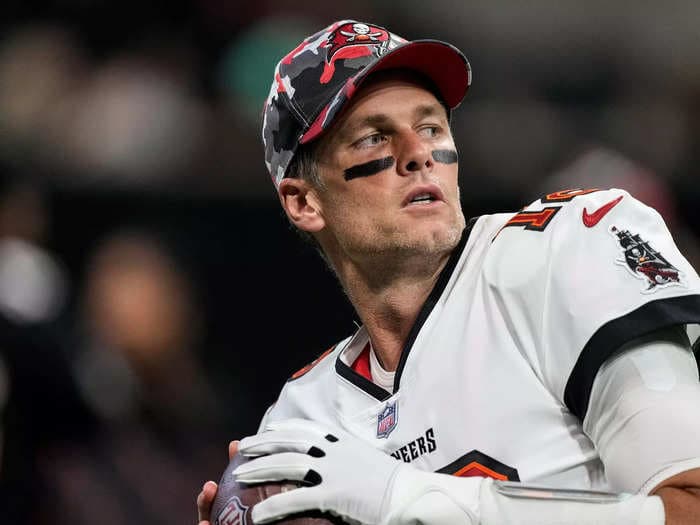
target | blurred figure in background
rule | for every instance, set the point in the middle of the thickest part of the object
(33, 283)
(40, 404)
(140, 315)
(137, 368)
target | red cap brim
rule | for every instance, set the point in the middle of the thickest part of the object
(443, 63)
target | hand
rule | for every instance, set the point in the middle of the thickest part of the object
(346, 476)
(205, 498)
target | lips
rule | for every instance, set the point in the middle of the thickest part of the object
(424, 194)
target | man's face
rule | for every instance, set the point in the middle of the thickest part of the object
(386, 190)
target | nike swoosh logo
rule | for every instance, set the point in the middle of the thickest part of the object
(591, 219)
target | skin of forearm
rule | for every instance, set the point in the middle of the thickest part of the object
(682, 505)
(681, 497)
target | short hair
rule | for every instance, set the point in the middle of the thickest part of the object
(304, 166)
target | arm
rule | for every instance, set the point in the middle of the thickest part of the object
(643, 420)
(681, 497)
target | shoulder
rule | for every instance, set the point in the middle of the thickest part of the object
(310, 366)
(318, 369)
(582, 272)
(565, 221)
(579, 208)
(584, 239)
(307, 392)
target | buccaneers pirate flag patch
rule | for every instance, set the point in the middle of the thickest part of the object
(644, 262)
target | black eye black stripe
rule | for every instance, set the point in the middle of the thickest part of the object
(369, 168)
(445, 156)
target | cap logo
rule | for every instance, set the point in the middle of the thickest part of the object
(353, 40)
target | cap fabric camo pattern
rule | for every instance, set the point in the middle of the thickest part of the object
(314, 80)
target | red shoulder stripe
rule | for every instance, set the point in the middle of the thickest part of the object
(302, 371)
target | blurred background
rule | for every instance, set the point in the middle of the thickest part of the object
(145, 311)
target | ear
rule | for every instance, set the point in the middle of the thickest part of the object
(301, 204)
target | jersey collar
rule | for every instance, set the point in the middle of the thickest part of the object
(343, 364)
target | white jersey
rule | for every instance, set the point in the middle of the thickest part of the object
(496, 374)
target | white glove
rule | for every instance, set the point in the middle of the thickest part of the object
(350, 478)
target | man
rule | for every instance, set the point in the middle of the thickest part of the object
(546, 347)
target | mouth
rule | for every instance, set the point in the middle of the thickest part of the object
(423, 196)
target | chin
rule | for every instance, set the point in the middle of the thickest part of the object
(444, 239)
(430, 238)
(442, 233)
(427, 237)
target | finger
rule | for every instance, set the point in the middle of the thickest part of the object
(205, 499)
(275, 441)
(284, 466)
(285, 503)
(232, 449)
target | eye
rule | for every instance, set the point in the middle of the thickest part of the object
(429, 131)
(370, 141)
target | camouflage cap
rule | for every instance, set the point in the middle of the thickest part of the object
(314, 81)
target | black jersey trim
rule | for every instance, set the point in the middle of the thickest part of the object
(614, 334)
(360, 381)
(368, 386)
(432, 300)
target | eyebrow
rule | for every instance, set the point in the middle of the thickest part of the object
(428, 110)
(379, 120)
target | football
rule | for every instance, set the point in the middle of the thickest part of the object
(234, 501)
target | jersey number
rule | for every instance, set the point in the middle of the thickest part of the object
(539, 220)
(566, 195)
(534, 220)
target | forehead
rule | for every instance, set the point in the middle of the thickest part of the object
(385, 92)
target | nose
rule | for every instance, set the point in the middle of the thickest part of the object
(414, 155)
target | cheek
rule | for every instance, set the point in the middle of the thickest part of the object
(358, 211)
(363, 205)
(366, 192)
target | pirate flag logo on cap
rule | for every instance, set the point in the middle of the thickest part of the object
(353, 40)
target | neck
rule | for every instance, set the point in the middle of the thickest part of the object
(388, 297)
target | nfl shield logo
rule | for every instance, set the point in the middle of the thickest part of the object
(233, 513)
(386, 420)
